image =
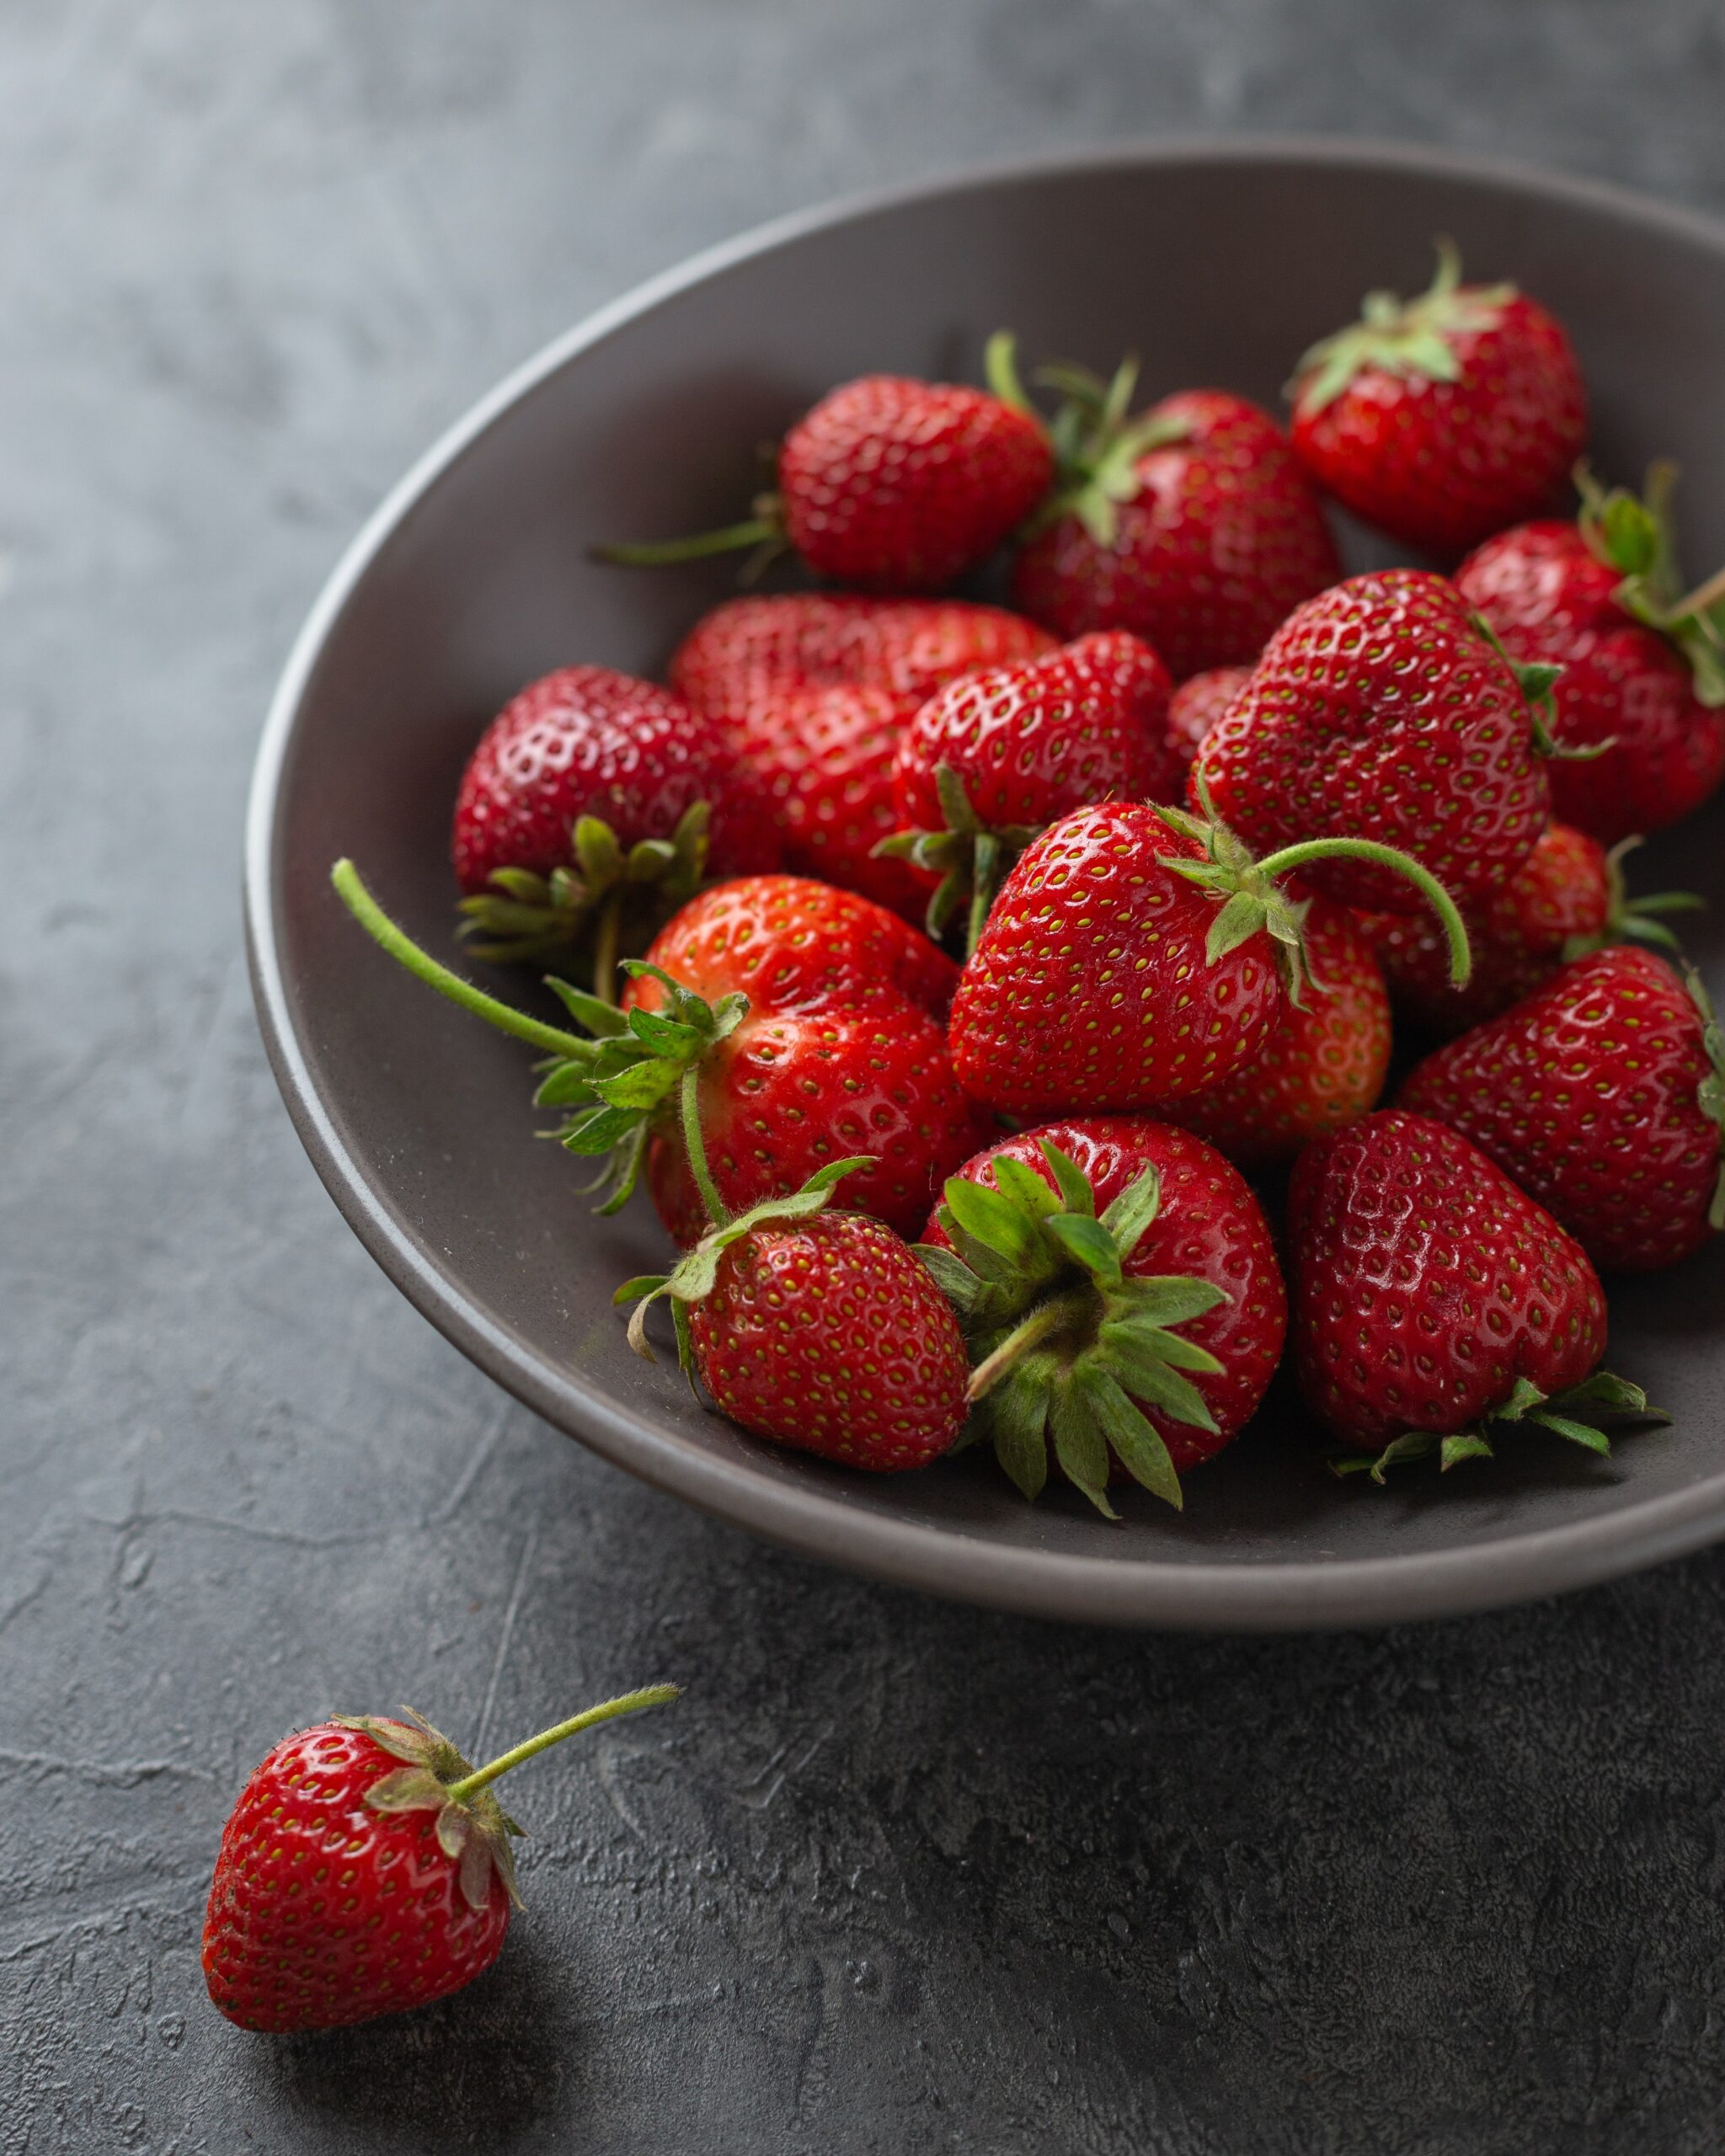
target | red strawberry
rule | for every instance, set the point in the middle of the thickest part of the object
(1432, 1298)
(891, 485)
(824, 1035)
(366, 1868)
(1072, 1253)
(819, 1330)
(990, 759)
(1443, 418)
(750, 650)
(1132, 958)
(1322, 1062)
(1380, 711)
(1643, 667)
(1192, 526)
(1198, 703)
(1602, 1093)
(592, 806)
(1565, 898)
(824, 758)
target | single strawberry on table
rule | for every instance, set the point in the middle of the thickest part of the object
(1380, 710)
(1322, 1062)
(992, 759)
(810, 1021)
(366, 1869)
(888, 484)
(1435, 1305)
(591, 808)
(1603, 1093)
(1567, 898)
(1442, 419)
(1120, 1295)
(1137, 955)
(1191, 524)
(1643, 678)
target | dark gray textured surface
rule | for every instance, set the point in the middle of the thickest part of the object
(894, 1876)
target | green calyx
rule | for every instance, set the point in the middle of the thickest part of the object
(1064, 1344)
(473, 1829)
(1097, 444)
(1249, 898)
(692, 1280)
(1633, 535)
(1537, 679)
(1631, 919)
(615, 1079)
(970, 856)
(1710, 1094)
(1412, 338)
(605, 894)
(1577, 1414)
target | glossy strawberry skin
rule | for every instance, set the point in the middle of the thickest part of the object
(1441, 465)
(824, 758)
(843, 1051)
(1224, 539)
(1198, 703)
(1585, 1092)
(890, 484)
(324, 1912)
(1424, 1283)
(1209, 1226)
(1379, 712)
(1322, 1064)
(1550, 599)
(1517, 936)
(1089, 989)
(749, 649)
(829, 1336)
(588, 741)
(1031, 741)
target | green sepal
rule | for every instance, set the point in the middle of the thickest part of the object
(970, 857)
(1636, 536)
(527, 917)
(1135, 1440)
(1575, 1414)
(473, 1833)
(1710, 1094)
(1096, 446)
(1410, 339)
(1632, 918)
(1073, 1184)
(1017, 1414)
(1080, 1445)
(1537, 679)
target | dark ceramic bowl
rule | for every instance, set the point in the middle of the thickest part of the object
(1217, 264)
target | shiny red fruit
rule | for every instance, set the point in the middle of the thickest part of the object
(1198, 703)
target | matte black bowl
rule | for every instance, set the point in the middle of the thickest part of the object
(1217, 264)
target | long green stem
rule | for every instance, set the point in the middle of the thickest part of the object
(607, 937)
(718, 1212)
(1046, 1318)
(1385, 856)
(377, 924)
(658, 554)
(629, 1703)
(984, 871)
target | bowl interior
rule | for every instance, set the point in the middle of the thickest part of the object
(1215, 267)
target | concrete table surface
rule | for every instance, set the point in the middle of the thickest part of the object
(895, 1875)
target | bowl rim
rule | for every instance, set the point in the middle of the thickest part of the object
(1185, 1595)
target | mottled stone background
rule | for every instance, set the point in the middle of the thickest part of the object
(895, 1876)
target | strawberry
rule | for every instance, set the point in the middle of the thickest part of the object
(992, 758)
(1136, 955)
(1431, 1300)
(754, 649)
(1321, 1064)
(1603, 1094)
(589, 810)
(818, 1329)
(824, 758)
(1118, 1284)
(1566, 898)
(1192, 526)
(1643, 666)
(824, 1031)
(366, 1869)
(888, 484)
(1379, 710)
(1443, 418)
(1198, 703)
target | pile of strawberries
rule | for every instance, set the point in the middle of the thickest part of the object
(963, 983)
